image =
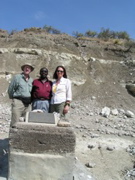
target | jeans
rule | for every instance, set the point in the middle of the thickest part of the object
(43, 105)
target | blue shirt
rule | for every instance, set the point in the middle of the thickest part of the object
(19, 87)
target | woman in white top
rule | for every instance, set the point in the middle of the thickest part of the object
(61, 92)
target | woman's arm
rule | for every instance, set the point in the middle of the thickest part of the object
(68, 97)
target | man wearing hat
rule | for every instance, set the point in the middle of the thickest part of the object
(20, 92)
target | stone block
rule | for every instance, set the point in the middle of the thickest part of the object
(39, 151)
(39, 138)
(27, 166)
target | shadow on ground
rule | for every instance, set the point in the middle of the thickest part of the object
(4, 149)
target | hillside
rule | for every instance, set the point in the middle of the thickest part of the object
(99, 71)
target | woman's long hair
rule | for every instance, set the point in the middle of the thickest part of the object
(55, 73)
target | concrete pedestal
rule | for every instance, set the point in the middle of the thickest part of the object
(41, 152)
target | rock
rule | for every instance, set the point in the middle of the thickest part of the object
(8, 77)
(92, 59)
(114, 112)
(90, 165)
(97, 121)
(131, 88)
(131, 174)
(105, 112)
(94, 136)
(131, 149)
(121, 111)
(129, 114)
(91, 146)
(63, 124)
(110, 148)
(91, 114)
(93, 98)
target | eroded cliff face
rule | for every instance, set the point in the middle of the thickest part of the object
(95, 67)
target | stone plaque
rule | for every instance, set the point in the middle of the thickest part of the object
(40, 117)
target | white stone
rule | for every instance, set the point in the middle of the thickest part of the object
(129, 114)
(105, 112)
(114, 112)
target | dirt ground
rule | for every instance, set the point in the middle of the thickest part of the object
(102, 145)
(93, 148)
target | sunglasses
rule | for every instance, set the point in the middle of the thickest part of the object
(43, 71)
(60, 71)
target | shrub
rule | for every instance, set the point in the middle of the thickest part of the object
(51, 30)
(34, 29)
(77, 34)
(106, 34)
(123, 35)
(90, 33)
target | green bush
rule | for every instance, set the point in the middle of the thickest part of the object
(123, 35)
(90, 33)
(106, 34)
(51, 30)
(34, 29)
(77, 34)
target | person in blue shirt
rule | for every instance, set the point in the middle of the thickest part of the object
(19, 91)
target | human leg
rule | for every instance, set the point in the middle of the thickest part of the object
(58, 108)
(41, 104)
(17, 110)
(45, 105)
(52, 108)
(26, 109)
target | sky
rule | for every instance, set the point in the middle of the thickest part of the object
(69, 16)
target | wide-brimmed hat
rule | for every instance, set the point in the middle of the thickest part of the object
(27, 64)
